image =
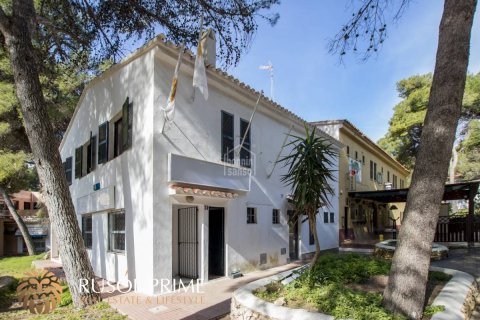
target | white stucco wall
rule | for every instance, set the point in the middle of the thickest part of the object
(140, 175)
(130, 173)
(196, 133)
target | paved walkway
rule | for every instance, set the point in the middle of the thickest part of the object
(466, 260)
(213, 303)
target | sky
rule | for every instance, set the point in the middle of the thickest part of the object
(312, 83)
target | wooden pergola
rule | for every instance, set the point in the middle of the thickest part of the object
(466, 190)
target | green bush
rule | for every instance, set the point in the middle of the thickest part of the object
(345, 268)
(323, 288)
(437, 276)
(66, 297)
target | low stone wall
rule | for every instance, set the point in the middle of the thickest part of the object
(457, 296)
(386, 251)
(246, 306)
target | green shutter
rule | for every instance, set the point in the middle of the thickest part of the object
(68, 170)
(103, 143)
(127, 120)
(78, 162)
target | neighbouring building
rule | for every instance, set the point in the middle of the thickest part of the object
(188, 201)
(364, 166)
(28, 205)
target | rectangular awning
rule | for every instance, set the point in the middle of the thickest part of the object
(36, 231)
(454, 191)
(202, 174)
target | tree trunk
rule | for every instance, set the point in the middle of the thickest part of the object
(16, 31)
(312, 221)
(19, 221)
(405, 292)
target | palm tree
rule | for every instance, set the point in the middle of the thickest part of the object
(310, 175)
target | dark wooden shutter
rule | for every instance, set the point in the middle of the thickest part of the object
(103, 143)
(245, 158)
(227, 137)
(91, 154)
(127, 121)
(78, 162)
(371, 169)
(68, 169)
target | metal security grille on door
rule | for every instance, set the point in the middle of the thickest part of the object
(188, 243)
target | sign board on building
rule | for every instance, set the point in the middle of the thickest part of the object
(355, 169)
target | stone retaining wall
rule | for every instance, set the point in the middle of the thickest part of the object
(457, 296)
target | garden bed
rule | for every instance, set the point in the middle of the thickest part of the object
(344, 286)
(12, 269)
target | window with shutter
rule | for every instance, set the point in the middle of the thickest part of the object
(371, 170)
(91, 154)
(68, 169)
(103, 143)
(227, 137)
(78, 162)
(127, 121)
(245, 157)
(117, 138)
(87, 231)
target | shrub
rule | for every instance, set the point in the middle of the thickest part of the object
(345, 268)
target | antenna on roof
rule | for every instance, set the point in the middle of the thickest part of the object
(269, 68)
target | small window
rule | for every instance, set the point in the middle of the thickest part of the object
(275, 216)
(26, 205)
(311, 238)
(375, 171)
(245, 157)
(348, 150)
(332, 217)
(116, 231)
(39, 244)
(227, 137)
(87, 231)
(16, 205)
(117, 138)
(388, 176)
(67, 165)
(363, 160)
(251, 215)
(356, 155)
(103, 143)
(371, 170)
(78, 162)
(325, 217)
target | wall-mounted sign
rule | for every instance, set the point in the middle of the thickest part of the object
(355, 169)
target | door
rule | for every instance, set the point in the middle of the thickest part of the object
(188, 242)
(292, 235)
(216, 242)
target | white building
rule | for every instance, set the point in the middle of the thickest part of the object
(162, 205)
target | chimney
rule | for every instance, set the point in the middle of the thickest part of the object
(211, 46)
